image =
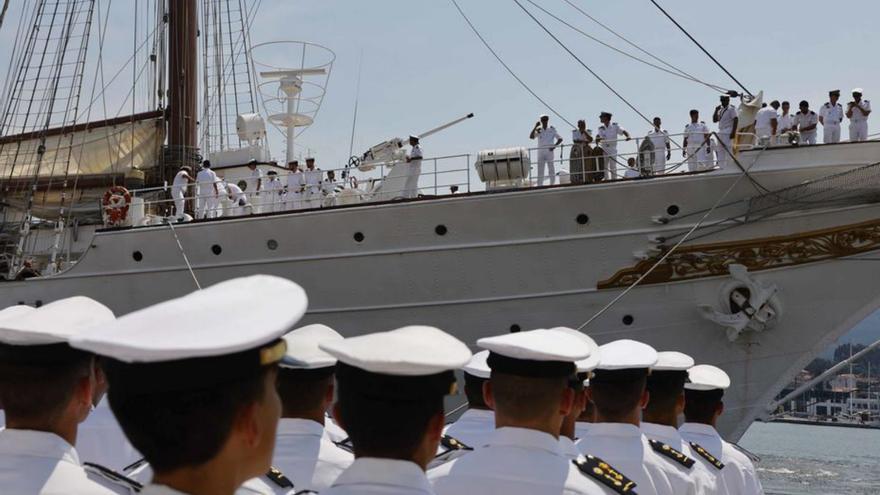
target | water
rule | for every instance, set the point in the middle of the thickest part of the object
(805, 459)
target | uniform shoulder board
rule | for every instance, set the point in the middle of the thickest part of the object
(451, 443)
(600, 471)
(714, 461)
(134, 465)
(345, 444)
(812, 112)
(112, 476)
(277, 477)
(670, 453)
(828, 104)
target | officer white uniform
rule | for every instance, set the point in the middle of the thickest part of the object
(238, 199)
(707, 475)
(178, 191)
(519, 460)
(312, 192)
(414, 170)
(303, 450)
(547, 139)
(217, 204)
(217, 341)
(205, 193)
(858, 121)
(296, 186)
(832, 116)
(272, 189)
(423, 354)
(738, 473)
(254, 182)
(607, 137)
(659, 140)
(622, 444)
(726, 119)
(697, 150)
(42, 462)
(763, 121)
(804, 120)
(787, 123)
(474, 427)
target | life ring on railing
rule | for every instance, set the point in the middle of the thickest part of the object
(115, 205)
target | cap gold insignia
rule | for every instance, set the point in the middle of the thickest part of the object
(273, 353)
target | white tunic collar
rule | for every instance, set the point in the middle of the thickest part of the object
(525, 437)
(299, 426)
(37, 444)
(624, 430)
(664, 433)
(372, 470)
(699, 429)
(478, 415)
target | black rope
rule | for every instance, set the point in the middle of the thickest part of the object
(683, 30)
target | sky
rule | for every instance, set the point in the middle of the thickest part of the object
(422, 66)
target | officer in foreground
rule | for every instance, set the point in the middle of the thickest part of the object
(303, 450)
(47, 389)
(830, 116)
(193, 392)
(475, 425)
(857, 111)
(617, 389)
(703, 406)
(391, 387)
(528, 389)
(660, 418)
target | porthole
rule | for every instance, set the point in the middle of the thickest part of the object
(38, 303)
(137, 255)
(440, 230)
(582, 219)
(514, 328)
(272, 244)
(216, 249)
(672, 210)
(358, 237)
(628, 320)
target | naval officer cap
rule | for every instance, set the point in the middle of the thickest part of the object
(705, 377)
(623, 360)
(592, 361)
(41, 336)
(303, 352)
(209, 337)
(857, 91)
(542, 353)
(834, 92)
(406, 365)
(477, 366)
(673, 361)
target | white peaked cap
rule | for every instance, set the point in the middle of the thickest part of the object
(543, 116)
(673, 361)
(477, 365)
(407, 351)
(235, 315)
(707, 377)
(858, 90)
(302, 348)
(538, 345)
(55, 323)
(591, 362)
(626, 354)
(15, 311)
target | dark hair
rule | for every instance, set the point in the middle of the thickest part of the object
(804, 103)
(527, 398)
(382, 427)
(616, 394)
(786, 103)
(180, 428)
(41, 391)
(302, 391)
(473, 390)
(664, 388)
(693, 111)
(700, 405)
(206, 164)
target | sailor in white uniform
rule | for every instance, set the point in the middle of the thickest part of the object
(529, 392)
(253, 185)
(178, 190)
(786, 123)
(206, 190)
(806, 121)
(696, 142)
(303, 450)
(217, 204)
(830, 116)
(47, 389)
(606, 137)
(474, 426)
(271, 193)
(414, 168)
(617, 389)
(391, 387)
(312, 178)
(659, 138)
(239, 205)
(548, 140)
(295, 186)
(329, 189)
(568, 433)
(728, 121)
(660, 418)
(857, 111)
(767, 122)
(703, 405)
(167, 374)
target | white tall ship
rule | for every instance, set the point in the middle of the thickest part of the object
(755, 267)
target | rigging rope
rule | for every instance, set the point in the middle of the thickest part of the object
(683, 30)
(507, 67)
(182, 252)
